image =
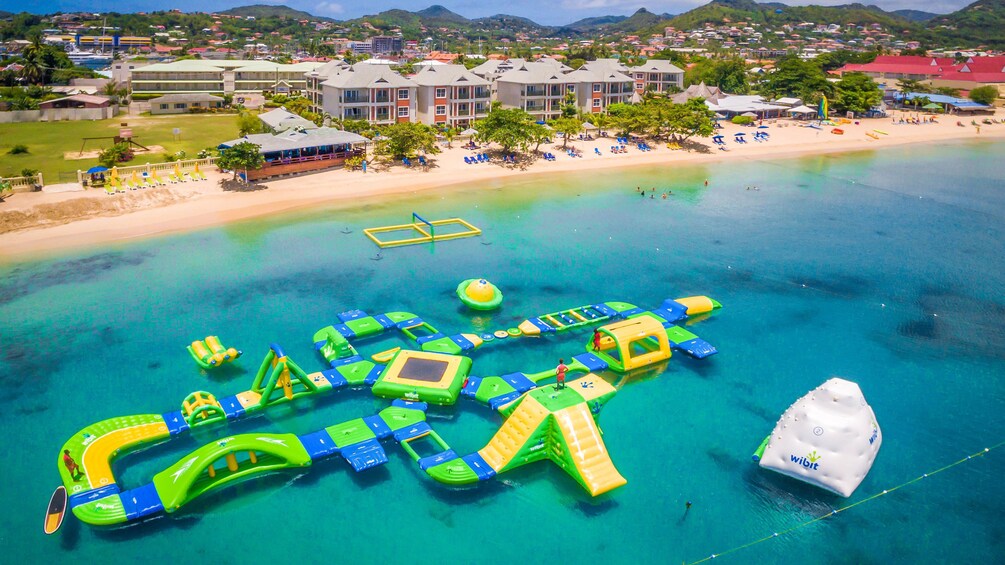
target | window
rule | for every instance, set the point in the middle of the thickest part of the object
(596, 87)
(440, 92)
(441, 110)
(180, 106)
(164, 106)
(403, 112)
(403, 94)
(596, 102)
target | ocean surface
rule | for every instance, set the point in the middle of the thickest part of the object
(885, 268)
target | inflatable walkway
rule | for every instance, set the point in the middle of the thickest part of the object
(540, 421)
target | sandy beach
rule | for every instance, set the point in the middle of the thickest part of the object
(37, 224)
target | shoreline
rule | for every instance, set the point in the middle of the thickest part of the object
(204, 205)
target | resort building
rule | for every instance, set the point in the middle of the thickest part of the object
(219, 77)
(315, 77)
(184, 103)
(596, 89)
(295, 151)
(369, 92)
(451, 95)
(538, 88)
(657, 76)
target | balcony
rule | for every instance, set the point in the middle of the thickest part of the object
(382, 98)
(350, 98)
(483, 93)
(534, 91)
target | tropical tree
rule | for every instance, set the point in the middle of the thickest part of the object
(694, 117)
(569, 108)
(856, 92)
(242, 156)
(248, 123)
(796, 77)
(406, 139)
(984, 94)
(730, 75)
(567, 126)
(510, 127)
(32, 71)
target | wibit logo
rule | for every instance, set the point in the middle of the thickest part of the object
(809, 462)
(875, 434)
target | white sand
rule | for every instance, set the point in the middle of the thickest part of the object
(193, 206)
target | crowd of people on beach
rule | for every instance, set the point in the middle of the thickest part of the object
(666, 193)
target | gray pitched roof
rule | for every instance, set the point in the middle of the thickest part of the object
(657, 66)
(535, 73)
(368, 76)
(282, 119)
(298, 139)
(447, 75)
(599, 75)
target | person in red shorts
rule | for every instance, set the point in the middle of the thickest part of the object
(71, 465)
(560, 374)
(596, 339)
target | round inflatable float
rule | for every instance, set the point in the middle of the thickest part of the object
(479, 294)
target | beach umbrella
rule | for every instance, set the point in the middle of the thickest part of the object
(98, 169)
(177, 170)
(115, 172)
(739, 133)
(719, 116)
(932, 106)
(749, 115)
(588, 126)
(469, 132)
(136, 177)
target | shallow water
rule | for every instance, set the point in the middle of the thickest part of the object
(884, 268)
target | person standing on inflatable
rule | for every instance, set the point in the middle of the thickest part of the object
(71, 465)
(596, 338)
(560, 374)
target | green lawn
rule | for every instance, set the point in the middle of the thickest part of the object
(47, 142)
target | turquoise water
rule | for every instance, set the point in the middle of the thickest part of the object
(884, 268)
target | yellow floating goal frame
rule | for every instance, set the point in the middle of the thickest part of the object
(425, 229)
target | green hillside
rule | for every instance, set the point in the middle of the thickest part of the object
(980, 22)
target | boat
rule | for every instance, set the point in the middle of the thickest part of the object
(89, 59)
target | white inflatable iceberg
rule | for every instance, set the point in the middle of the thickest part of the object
(828, 438)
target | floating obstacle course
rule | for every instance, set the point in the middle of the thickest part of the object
(542, 422)
(421, 230)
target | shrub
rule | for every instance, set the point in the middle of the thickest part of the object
(18, 149)
(28, 172)
(118, 153)
(742, 120)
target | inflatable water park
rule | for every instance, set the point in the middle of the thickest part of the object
(542, 419)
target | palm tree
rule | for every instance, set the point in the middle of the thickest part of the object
(32, 71)
(34, 48)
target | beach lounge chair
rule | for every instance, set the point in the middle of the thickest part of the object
(406, 162)
(597, 151)
(422, 161)
(467, 160)
(109, 189)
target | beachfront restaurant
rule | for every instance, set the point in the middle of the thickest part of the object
(300, 151)
(740, 105)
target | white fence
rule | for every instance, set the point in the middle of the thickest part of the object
(22, 184)
(59, 115)
(184, 166)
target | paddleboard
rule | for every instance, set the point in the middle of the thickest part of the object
(57, 509)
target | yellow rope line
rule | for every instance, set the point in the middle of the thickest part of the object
(850, 506)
